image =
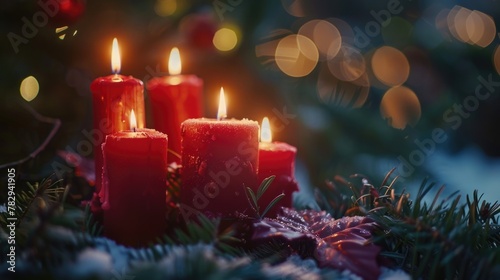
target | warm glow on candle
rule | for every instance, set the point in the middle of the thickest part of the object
(222, 113)
(174, 62)
(133, 120)
(265, 131)
(116, 64)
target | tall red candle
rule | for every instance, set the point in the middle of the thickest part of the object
(114, 97)
(174, 99)
(276, 158)
(133, 193)
(219, 160)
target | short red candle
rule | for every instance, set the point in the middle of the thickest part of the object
(174, 99)
(219, 160)
(114, 97)
(133, 194)
(276, 158)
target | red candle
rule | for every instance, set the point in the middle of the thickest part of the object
(276, 158)
(174, 99)
(113, 99)
(134, 185)
(219, 160)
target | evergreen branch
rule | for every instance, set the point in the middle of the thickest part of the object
(443, 239)
(264, 186)
(26, 199)
(253, 199)
(204, 230)
(272, 203)
(90, 225)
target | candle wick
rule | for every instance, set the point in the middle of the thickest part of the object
(117, 78)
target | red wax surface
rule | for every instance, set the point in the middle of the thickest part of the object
(277, 158)
(175, 99)
(219, 160)
(113, 98)
(133, 192)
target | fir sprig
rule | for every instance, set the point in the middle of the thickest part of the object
(28, 201)
(206, 231)
(443, 239)
(254, 198)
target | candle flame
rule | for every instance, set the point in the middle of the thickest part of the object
(265, 131)
(116, 63)
(222, 113)
(133, 120)
(174, 62)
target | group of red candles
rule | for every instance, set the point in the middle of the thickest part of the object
(219, 158)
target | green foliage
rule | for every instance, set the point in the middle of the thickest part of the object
(254, 198)
(206, 231)
(443, 239)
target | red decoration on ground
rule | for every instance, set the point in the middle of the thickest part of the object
(340, 244)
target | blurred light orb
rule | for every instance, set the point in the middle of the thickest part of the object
(294, 7)
(348, 65)
(344, 28)
(390, 66)
(225, 39)
(496, 59)
(472, 27)
(456, 21)
(481, 28)
(325, 36)
(400, 106)
(29, 88)
(165, 8)
(296, 55)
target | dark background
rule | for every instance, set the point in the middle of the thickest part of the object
(332, 139)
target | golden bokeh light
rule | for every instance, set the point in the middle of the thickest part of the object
(390, 66)
(401, 107)
(165, 8)
(344, 28)
(225, 39)
(472, 27)
(296, 55)
(29, 88)
(441, 22)
(294, 7)
(348, 65)
(339, 93)
(496, 59)
(481, 28)
(325, 36)
(459, 23)
(267, 47)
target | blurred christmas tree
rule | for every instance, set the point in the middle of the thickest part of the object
(358, 86)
